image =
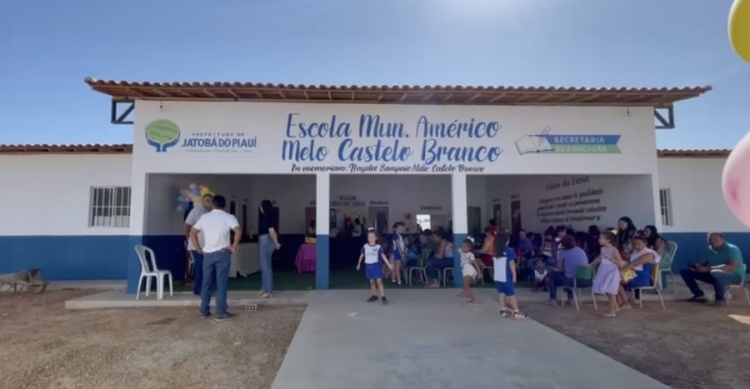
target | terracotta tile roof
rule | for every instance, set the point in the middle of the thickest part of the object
(438, 94)
(708, 153)
(65, 149)
(128, 148)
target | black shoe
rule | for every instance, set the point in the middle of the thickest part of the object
(205, 315)
(227, 316)
(384, 300)
(697, 299)
(372, 298)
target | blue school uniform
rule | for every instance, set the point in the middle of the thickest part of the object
(503, 274)
(397, 243)
(373, 267)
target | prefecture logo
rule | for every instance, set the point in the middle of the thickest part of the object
(162, 134)
(568, 144)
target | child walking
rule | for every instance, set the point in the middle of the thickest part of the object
(504, 262)
(399, 252)
(371, 254)
(607, 279)
(470, 270)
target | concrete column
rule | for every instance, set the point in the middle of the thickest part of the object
(460, 221)
(322, 230)
(138, 202)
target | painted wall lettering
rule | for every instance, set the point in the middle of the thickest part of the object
(374, 144)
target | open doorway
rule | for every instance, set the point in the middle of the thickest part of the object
(379, 201)
(291, 195)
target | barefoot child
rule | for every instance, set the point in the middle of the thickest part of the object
(371, 254)
(469, 269)
(607, 279)
(399, 251)
(504, 263)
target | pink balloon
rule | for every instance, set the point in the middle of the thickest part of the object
(735, 181)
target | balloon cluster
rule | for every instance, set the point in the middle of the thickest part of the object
(735, 177)
(193, 194)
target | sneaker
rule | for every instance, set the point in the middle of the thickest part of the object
(384, 300)
(505, 312)
(205, 315)
(518, 315)
(227, 316)
(372, 298)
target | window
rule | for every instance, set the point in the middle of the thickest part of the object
(110, 207)
(424, 222)
(665, 204)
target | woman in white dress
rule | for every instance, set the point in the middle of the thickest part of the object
(470, 270)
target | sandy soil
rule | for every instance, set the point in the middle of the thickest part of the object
(689, 346)
(42, 345)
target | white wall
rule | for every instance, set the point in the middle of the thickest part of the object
(50, 194)
(244, 137)
(583, 201)
(697, 200)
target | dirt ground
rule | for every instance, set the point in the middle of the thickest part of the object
(43, 345)
(688, 346)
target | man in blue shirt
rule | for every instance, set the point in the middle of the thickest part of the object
(721, 266)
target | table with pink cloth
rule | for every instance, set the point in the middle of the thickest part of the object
(306, 257)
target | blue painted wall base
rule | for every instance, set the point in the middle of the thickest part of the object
(67, 257)
(322, 263)
(691, 246)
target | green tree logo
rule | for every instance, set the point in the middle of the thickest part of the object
(162, 134)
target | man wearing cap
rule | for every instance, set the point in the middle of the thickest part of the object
(720, 266)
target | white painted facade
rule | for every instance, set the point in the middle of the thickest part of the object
(49, 194)
(697, 200)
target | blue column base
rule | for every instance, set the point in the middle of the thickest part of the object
(322, 264)
(458, 240)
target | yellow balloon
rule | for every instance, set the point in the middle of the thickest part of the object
(739, 28)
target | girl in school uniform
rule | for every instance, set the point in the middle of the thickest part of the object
(470, 270)
(399, 252)
(371, 254)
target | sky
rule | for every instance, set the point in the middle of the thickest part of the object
(48, 47)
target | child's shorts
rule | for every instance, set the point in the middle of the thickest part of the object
(505, 288)
(374, 271)
(397, 255)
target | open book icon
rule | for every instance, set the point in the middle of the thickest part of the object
(534, 143)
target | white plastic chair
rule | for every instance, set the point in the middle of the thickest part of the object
(665, 266)
(741, 285)
(151, 271)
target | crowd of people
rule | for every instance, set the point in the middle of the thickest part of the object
(624, 257)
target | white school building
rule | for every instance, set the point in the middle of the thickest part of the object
(439, 156)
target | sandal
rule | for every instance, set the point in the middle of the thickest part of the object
(518, 315)
(505, 312)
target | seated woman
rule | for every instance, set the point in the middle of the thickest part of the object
(569, 258)
(442, 257)
(653, 240)
(642, 261)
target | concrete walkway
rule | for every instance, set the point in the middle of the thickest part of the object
(430, 339)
